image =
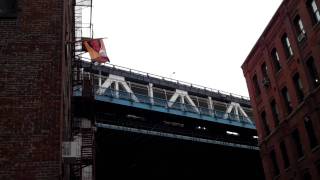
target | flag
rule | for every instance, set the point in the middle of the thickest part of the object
(96, 50)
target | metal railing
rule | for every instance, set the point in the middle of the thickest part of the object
(164, 103)
(178, 82)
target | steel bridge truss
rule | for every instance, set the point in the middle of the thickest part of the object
(116, 89)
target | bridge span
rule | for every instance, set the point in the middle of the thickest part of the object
(151, 126)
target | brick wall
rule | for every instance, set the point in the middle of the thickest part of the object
(33, 85)
(283, 22)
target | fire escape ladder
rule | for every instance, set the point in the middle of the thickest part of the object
(86, 158)
(87, 146)
(82, 28)
(82, 167)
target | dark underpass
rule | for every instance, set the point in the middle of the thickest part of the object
(121, 154)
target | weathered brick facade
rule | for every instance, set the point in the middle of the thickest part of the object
(282, 123)
(34, 89)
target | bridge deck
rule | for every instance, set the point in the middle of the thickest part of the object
(162, 105)
(143, 77)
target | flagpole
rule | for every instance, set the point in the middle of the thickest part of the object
(71, 42)
(91, 26)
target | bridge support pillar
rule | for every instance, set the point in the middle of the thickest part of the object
(150, 93)
(210, 106)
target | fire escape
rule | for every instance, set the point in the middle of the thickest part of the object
(80, 152)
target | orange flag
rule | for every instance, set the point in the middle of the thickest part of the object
(96, 50)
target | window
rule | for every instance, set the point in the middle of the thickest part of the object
(310, 131)
(306, 176)
(274, 163)
(318, 166)
(286, 45)
(287, 99)
(276, 59)
(299, 28)
(296, 139)
(264, 123)
(275, 112)
(313, 73)
(298, 87)
(284, 154)
(264, 70)
(256, 85)
(7, 8)
(314, 11)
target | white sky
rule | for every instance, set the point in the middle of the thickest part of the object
(204, 42)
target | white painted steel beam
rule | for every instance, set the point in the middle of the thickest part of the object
(117, 80)
(150, 92)
(236, 107)
(184, 96)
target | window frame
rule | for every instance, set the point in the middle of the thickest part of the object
(256, 86)
(275, 112)
(313, 73)
(299, 28)
(287, 45)
(296, 137)
(284, 154)
(298, 86)
(307, 175)
(287, 99)
(266, 127)
(10, 12)
(264, 71)
(312, 137)
(314, 13)
(276, 59)
(274, 161)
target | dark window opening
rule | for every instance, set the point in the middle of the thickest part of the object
(286, 45)
(287, 99)
(298, 87)
(306, 176)
(275, 112)
(314, 11)
(7, 8)
(284, 154)
(276, 59)
(274, 163)
(318, 167)
(313, 73)
(265, 80)
(256, 85)
(297, 142)
(301, 33)
(310, 132)
(264, 123)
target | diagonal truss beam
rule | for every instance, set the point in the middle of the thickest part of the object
(184, 97)
(117, 80)
(237, 108)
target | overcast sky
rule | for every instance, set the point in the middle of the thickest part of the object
(203, 42)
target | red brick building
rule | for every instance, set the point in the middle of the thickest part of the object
(34, 87)
(282, 73)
